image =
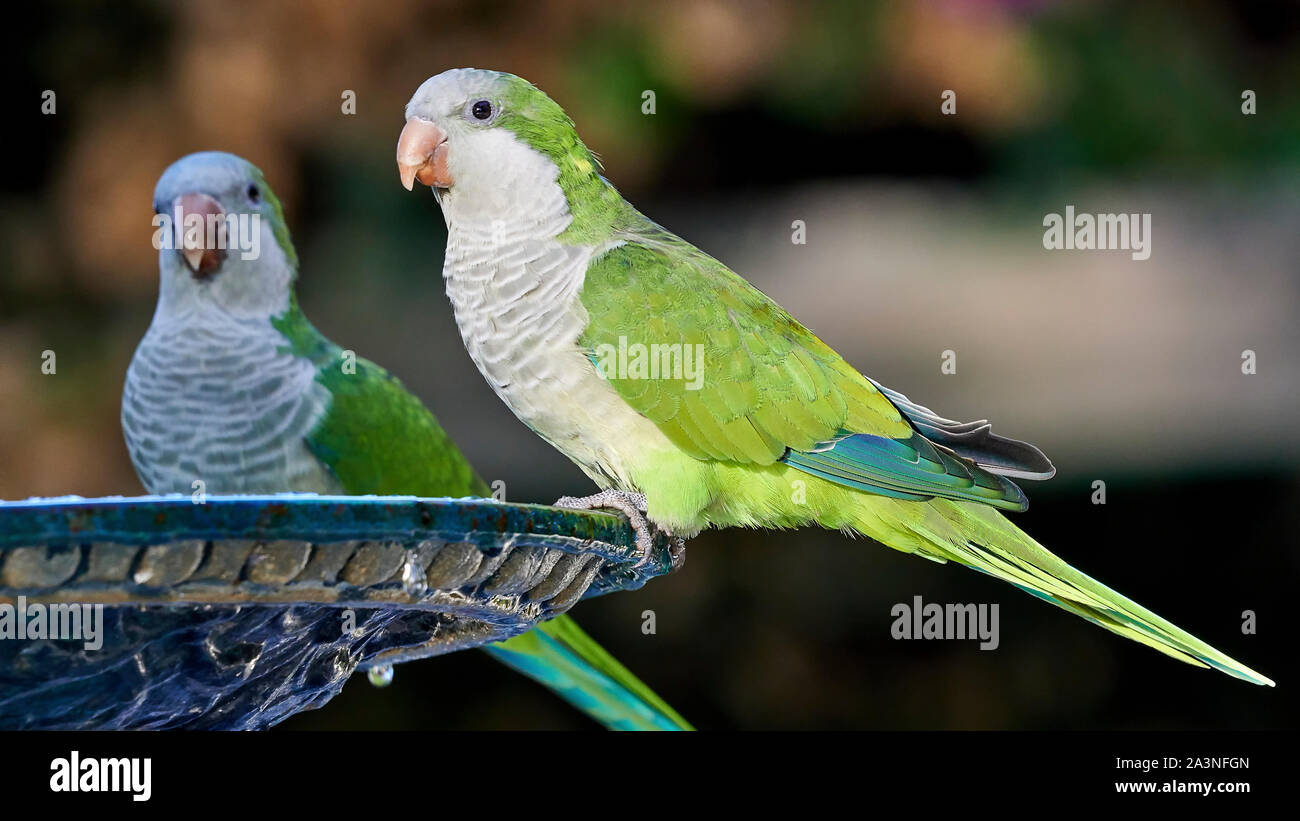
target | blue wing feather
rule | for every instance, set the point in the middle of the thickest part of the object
(913, 469)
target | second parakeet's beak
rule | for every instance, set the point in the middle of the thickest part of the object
(203, 242)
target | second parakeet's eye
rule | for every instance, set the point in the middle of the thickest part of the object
(253, 194)
(481, 110)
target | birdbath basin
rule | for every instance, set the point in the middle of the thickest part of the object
(239, 611)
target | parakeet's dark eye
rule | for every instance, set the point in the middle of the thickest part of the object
(253, 194)
(481, 110)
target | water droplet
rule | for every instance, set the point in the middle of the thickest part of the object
(413, 578)
(381, 675)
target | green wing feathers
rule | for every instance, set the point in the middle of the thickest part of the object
(568, 661)
(771, 390)
(768, 383)
(376, 437)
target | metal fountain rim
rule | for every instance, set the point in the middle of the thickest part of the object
(606, 533)
(56, 550)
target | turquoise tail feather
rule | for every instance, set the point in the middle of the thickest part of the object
(563, 658)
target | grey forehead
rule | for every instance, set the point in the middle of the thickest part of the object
(212, 172)
(452, 87)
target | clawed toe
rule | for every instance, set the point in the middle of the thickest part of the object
(631, 505)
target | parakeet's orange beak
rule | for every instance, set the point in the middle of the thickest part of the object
(422, 155)
(204, 251)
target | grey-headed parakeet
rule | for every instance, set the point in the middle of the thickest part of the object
(585, 317)
(232, 385)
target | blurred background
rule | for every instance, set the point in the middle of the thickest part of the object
(924, 234)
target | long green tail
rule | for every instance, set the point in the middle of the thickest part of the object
(559, 655)
(983, 539)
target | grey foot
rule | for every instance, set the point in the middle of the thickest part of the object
(631, 505)
(676, 552)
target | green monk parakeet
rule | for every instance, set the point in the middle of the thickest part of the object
(585, 317)
(232, 385)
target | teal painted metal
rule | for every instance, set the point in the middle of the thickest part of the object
(244, 596)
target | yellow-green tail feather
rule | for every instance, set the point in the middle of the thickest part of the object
(983, 539)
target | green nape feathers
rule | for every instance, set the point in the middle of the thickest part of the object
(547, 268)
(279, 225)
(596, 207)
